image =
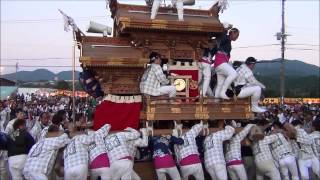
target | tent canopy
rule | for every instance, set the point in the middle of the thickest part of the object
(6, 91)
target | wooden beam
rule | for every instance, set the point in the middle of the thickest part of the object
(158, 132)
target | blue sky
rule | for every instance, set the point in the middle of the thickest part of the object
(34, 29)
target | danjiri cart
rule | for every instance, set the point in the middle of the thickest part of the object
(119, 62)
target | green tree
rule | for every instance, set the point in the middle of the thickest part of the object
(63, 85)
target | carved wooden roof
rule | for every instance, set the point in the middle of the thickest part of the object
(137, 17)
(109, 51)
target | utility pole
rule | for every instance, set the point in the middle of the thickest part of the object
(73, 79)
(283, 41)
(17, 66)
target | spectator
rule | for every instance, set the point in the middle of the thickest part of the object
(19, 145)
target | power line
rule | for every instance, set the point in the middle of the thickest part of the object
(302, 49)
(36, 59)
(8, 65)
(304, 44)
(305, 28)
(13, 21)
(253, 46)
(266, 45)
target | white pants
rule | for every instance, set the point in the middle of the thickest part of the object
(1, 125)
(16, 165)
(250, 166)
(225, 76)
(305, 164)
(3, 166)
(135, 176)
(251, 91)
(79, 172)
(288, 164)
(121, 169)
(204, 79)
(267, 168)
(35, 176)
(103, 173)
(173, 173)
(193, 169)
(237, 172)
(171, 90)
(155, 7)
(217, 171)
(179, 5)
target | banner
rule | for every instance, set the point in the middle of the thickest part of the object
(292, 100)
(118, 111)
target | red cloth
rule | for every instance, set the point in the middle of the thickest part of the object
(118, 115)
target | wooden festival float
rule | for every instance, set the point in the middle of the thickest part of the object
(120, 61)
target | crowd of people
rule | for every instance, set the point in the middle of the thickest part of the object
(38, 143)
(33, 105)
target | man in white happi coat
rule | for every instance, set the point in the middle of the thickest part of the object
(214, 161)
(42, 155)
(281, 150)
(132, 147)
(187, 154)
(4, 118)
(316, 138)
(4, 115)
(246, 85)
(76, 157)
(306, 157)
(234, 161)
(20, 115)
(117, 149)
(98, 157)
(263, 158)
(154, 82)
(39, 125)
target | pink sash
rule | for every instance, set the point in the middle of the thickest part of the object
(163, 162)
(192, 159)
(100, 161)
(220, 57)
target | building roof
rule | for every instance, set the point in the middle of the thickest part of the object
(6, 82)
(137, 17)
(109, 51)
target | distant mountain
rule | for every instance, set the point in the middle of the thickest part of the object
(292, 68)
(270, 69)
(36, 75)
(67, 75)
(39, 75)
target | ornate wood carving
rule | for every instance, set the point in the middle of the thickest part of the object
(120, 60)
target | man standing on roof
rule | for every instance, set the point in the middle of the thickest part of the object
(153, 81)
(225, 72)
(205, 70)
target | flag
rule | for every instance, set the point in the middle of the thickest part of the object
(68, 21)
(222, 4)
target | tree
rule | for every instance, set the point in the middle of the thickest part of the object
(62, 85)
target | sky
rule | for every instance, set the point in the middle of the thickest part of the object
(32, 31)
